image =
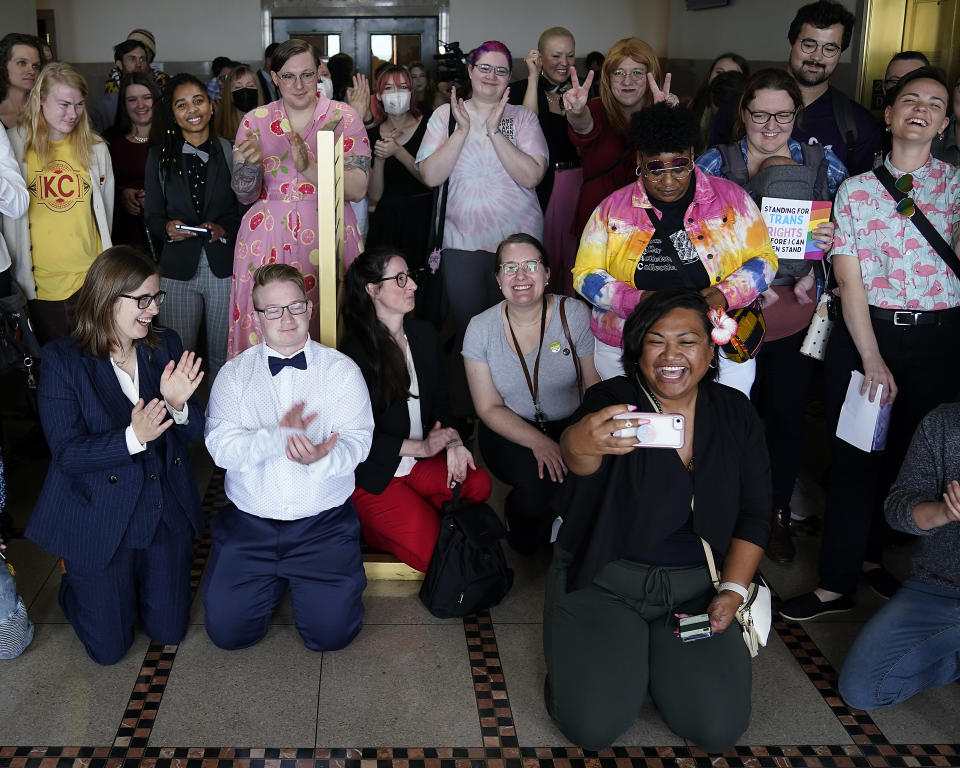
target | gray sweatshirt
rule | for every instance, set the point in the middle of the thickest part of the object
(931, 463)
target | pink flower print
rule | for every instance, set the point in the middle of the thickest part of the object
(269, 222)
(293, 223)
(256, 249)
(925, 270)
(307, 236)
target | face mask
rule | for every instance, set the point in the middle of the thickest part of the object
(325, 86)
(396, 103)
(245, 99)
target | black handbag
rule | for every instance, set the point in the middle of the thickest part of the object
(468, 571)
(19, 348)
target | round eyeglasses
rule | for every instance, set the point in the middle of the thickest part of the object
(275, 313)
(512, 267)
(809, 45)
(487, 69)
(400, 277)
(147, 299)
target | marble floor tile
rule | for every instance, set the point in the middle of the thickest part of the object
(399, 686)
(260, 696)
(54, 694)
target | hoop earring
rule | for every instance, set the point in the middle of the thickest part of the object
(713, 363)
(638, 171)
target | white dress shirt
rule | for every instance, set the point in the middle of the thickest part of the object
(131, 389)
(244, 436)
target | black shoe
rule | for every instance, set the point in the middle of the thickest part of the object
(882, 582)
(809, 606)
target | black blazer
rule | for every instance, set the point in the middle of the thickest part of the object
(392, 426)
(171, 200)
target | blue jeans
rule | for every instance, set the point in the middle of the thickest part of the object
(910, 645)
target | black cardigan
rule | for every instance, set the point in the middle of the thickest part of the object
(392, 426)
(633, 502)
(171, 200)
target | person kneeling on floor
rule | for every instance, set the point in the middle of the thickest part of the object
(913, 642)
(289, 420)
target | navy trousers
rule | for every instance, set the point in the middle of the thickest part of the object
(255, 559)
(150, 584)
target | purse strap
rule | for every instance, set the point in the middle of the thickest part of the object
(573, 349)
(708, 551)
(607, 170)
(921, 222)
(438, 216)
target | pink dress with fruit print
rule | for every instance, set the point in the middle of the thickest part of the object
(281, 226)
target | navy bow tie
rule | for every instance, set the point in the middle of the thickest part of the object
(277, 364)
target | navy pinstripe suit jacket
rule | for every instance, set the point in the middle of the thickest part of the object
(93, 484)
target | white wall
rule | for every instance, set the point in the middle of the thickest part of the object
(706, 34)
(18, 16)
(185, 30)
(596, 25)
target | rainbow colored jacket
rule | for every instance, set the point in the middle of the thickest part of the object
(723, 224)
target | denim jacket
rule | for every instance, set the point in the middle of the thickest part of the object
(722, 222)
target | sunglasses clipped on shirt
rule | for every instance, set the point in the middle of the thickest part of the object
(906, 207)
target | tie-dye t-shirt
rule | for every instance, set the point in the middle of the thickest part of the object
(484, 204)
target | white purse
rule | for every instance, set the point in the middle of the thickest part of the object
(821, 326)
(755, 614)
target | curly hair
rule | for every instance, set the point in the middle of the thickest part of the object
(649, 311)
(823, 14)
(640, 52)
(391, 380)
(6, 54)
(662, 128)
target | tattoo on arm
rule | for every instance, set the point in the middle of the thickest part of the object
(247, 179)
(356, 163)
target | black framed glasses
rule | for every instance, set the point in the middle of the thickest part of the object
(512, 267)
(906, 207)
(400, 277)
(762, 118)
(809, 45)
(147, 299)
(487, 69)
(275, 313)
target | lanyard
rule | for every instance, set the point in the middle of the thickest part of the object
(533, 386)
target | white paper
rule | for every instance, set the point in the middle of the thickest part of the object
(858, 416)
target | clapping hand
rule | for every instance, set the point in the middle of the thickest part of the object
(302, 451)
(148, 420)
(459, 111)
(294, 418)
(575, 97)
(438, 439)
(249, 149)
(387, 145)
(662, 94)
(496, 114)
(298, 151)
(358, 96)
(180, 380)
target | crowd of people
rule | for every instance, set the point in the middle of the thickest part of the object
(595, 237)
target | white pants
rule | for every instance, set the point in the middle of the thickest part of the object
(737, 375)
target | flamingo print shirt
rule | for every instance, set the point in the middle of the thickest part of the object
(900, 269)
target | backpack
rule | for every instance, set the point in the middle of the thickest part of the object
(467, 571)
(791, 182)
(843, 114)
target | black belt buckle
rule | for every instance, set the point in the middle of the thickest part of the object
(900, 313)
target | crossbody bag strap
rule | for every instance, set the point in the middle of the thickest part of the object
(573, 349)
(921, 222)
(605, 171)
(708, 551)
(439, 215)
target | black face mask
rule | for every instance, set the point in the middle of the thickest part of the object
(245, 99)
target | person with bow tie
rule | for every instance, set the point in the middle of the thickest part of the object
(188, 184)
(289, 420)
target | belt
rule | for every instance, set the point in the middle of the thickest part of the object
(911, 317)
(566, 165)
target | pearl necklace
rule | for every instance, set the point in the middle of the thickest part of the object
(140, 139)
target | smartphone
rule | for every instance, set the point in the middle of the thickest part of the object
(664, 430)
(692, 628)
(188, 228)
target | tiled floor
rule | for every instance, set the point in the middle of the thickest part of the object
(411, 691)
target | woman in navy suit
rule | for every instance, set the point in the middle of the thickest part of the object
(119, 503)
(414, 460)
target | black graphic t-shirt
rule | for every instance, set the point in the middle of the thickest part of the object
(657, 267)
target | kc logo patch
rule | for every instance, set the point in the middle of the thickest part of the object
(59, 187)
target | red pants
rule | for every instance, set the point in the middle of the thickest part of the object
(405, 518)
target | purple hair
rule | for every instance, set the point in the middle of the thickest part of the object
(491, 46)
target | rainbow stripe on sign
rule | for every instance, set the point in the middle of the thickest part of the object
(819, 214)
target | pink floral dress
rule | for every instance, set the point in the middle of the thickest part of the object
(282, 224)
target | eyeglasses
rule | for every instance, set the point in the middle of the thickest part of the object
(905, 207)
(622, 74)
(147, 299)
(400, 277)
(809, 45)
(275, 313)
(679, 168)
(487, 69)
(512, 267)
(305, 77)
(762, 118)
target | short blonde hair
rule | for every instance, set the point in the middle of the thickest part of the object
(34, 126)
(640, 52)
(278, 273)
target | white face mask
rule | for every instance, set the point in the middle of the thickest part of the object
(325, 87)
(396, 102)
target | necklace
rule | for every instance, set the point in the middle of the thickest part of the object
(139, 139)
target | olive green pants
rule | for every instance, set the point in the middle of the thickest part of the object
(609, 644)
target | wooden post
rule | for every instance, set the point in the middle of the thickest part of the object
(329, 230)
